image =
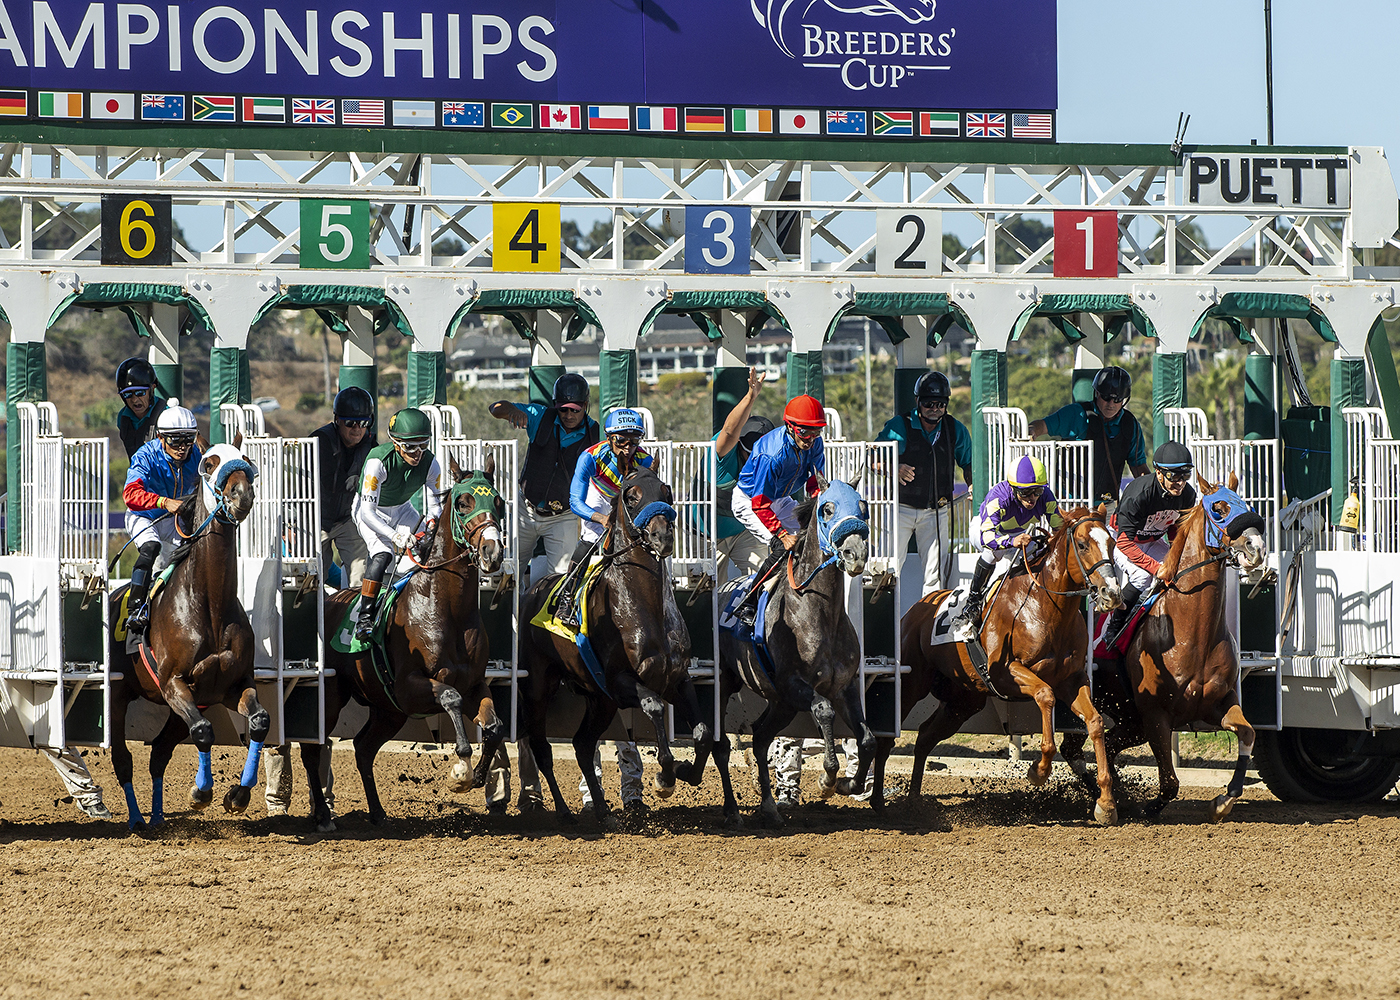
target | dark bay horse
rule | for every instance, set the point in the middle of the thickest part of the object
(1036, 643)
(1182, 667)
(812, 644)
(200, 643)
(435, 644)
(638, 637)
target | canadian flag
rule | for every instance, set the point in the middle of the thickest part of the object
(565, 116)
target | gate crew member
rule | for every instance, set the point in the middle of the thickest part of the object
(383, 509)
(1146, 524)
(1106, 422)
(163, 473)
(558, 435)
(1008, 510)
(733, 445)
(930, 442)
(136, 384)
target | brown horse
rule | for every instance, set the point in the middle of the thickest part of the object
(200, 643)
(1182, 667)
(435, 646)
(639, 641)
(1036, 643)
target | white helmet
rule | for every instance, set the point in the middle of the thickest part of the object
(175, 419)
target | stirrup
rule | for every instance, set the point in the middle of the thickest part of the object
(566, 611)
(138, 619)
(967, 625)
(364, 628)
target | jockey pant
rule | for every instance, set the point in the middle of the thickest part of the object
(784, 509)
(1131, 572)
(378, 563)
(932, 529)
(404, 515)
(161, 531)
(350, 548)
(991, 556)
(629, 762)
(591, 531)
(560, 533)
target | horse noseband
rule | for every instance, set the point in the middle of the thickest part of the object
(657, 508)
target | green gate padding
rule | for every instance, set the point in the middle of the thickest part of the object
(888, 308)
(804, 375)
(1117, 311)
(988, 376)
(1265, 305)
(1307, 451)
(126, 296)
(26, 381)
(425, 380)
(904, 381)
(229, 382)
(170, 380)
(1168, 389)
(617, 380)
(1348, 389)
(542, 379)
(729, 386)
(1383, 365)
(1259, 378)
(331, 301)
(367, 378)
(703, 306)
(514, 303)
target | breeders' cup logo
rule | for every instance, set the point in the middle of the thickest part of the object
(871, 43)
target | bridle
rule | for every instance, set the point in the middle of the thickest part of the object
(656, 508)
(1086, 573)
(462, 533)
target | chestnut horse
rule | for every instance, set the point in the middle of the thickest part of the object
(199, 649)
(435, 646)
(1182, 666)
(1036, 643)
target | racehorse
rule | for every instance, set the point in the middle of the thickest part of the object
(636, 639)
(1036, 644)
(1182, 666)
(811, 645)
(435, 649)
(199, 647)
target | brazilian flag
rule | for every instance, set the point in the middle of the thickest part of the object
(513, 115)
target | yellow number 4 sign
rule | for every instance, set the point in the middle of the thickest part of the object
(526, 237)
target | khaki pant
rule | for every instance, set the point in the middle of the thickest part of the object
(560, 534)
(498, 777)
(932, 531)
(739, 555)
(351, 549)
(279, 777)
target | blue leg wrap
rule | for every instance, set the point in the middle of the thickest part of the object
(133, 811)
(157, 801)
(204, 777)
(250, 767)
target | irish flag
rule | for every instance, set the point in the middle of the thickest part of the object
(752, 119)
(60, 104)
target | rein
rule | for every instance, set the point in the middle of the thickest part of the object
(1086, 573)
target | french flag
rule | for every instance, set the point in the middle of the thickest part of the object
(656, 119)
(609, 118)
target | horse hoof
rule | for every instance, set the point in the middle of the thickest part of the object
(662, 791)
(846, 786)
(1220, 807)
(327, 827)
(567, 819)
(136, 825)
(157, 819)
(733, 820)
(201, 798)
(1105, 817)
(236, 800)
(378, 819)
(769, 816)
(683, 769)
(463, 778)
(826, 790)
(1035, 777)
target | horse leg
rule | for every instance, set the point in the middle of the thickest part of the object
(775, 718)
(1159, 738)
(122, 764)
(536, 712)
(259, 722)
(824, 715)
(378, 729)
(726, 685)
(463, 778)
(1234, 720)
(596, 719)
(1105, 810)
(1044, 695)
(947, 719)
(493, 731)
(630, 689)
(884, 745)
(854, 717)
(162, 747)
(311, 761)
(688, 708)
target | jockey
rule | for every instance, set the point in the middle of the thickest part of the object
(384, 511)
(783, 462)
(597, 480)
(163, 473)
(1146, 524)
(1008, 510)
(136, 385)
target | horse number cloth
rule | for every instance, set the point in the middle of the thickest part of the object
(546, 619)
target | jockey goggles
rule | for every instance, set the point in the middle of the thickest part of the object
(1176, 475)
(804, 432)
(178, 440)
(1028, 492)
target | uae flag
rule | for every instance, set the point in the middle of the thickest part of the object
(264, 109)
(562, 116)
(807, 122)
(112, 107)
(651, 118)
(704, 119)
(940, 123)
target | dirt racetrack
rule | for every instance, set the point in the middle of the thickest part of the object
(995, 890)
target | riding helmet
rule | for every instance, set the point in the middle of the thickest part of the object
(135, 373)
(932, 385)
(353, 403)
(410, 424)
(624, 421)
(571, 387)
(1113, 382)
(805, 411)
(754, 428)
(1173, 455)
(175, 419)
(1026, 471)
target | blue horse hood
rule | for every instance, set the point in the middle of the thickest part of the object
(846, 519)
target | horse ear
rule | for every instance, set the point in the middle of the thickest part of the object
(456, 469)
(1233, 482)
(667, 493)
(1205, 487)
(209, 464)
(490, 467)
(822, 481)
(1103, 511)
(237, 441)
(855, 483)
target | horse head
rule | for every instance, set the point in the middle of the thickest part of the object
(650, 511)
(1232, 523)
(475, 512)
(843, 524)
(228, 479)
(1092, 547)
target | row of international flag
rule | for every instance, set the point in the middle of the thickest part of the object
(679, 119)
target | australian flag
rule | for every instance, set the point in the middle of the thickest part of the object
(163, 107)
(463, 114)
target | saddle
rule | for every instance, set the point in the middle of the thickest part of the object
(756, 634)
(547, 619)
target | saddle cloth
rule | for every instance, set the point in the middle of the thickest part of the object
(547, 619)
(119, 631)
(731, 594)
(949, 603)
(1125, 638)
(343, 638)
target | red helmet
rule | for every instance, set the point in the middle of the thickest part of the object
(805, 411)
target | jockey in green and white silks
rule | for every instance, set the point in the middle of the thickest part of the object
(384, 512)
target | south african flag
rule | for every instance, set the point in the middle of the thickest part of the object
(894, 123)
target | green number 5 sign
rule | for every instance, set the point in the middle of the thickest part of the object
(335, 234)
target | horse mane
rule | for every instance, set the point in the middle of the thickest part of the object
(1187, 523)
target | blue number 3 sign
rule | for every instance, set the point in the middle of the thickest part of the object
(717, 239)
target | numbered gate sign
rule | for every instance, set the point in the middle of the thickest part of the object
(717, 239)
(136, 229)
(335, 234)
(525, 236)
(908, 241)
(1086, 244)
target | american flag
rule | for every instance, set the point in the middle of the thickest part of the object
(1031, 126)
(313, 111)
(986, 126)
(362, 112)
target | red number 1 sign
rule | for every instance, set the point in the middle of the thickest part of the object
(1086, 244)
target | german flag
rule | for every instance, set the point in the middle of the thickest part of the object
(704, 119)
(14, 103)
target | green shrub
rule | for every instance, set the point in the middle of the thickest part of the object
(310, 402)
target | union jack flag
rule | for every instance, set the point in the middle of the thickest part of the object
(986, 126)
(153, 101)
(313, 111)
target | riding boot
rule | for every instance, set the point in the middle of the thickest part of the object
(565, 607)
(1119, 620)
(969, 620)
(747, 610)
(138, 614)
(369, 595)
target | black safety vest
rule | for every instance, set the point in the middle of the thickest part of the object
(549, 467)
(932, 485)
(341, 468)
(1110, 453)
